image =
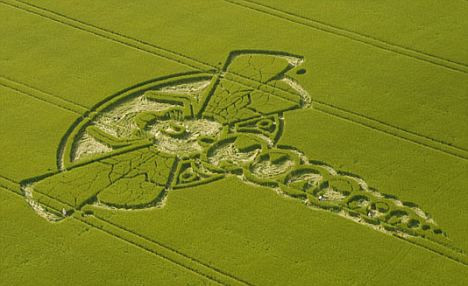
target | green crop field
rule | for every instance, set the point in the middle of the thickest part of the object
(234, 142)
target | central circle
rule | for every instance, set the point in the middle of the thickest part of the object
(175, 130)
(184, 137)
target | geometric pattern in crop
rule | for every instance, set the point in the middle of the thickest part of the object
(131, 150)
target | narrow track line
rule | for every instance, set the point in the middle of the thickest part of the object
(9, 180)
(157, 251)
(10, 185)
(155, 247)
(109, 35)
(195, 63)
(42, 96)
(199, 65)
(352, 35)
(10, 191)
(222, 276)
(454, 258)
(412, 133)
(15, 81)
(171, 249)
(392, 131)
(151, 246)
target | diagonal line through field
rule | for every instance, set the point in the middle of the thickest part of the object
(10, 185)
(151, 246)
(333, 110)
(397, 132)
(43, 96)
(352, 35)
(190, 264)
(170, 254)
(110, 35)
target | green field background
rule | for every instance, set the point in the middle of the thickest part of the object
(55, 64)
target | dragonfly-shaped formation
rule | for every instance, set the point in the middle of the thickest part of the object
(177, 132)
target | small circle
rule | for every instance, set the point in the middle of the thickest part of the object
(382, 207)
(301, 71)
(438, 231)
(175, 130)
(188, 176)
(413, 223)
(265, 124)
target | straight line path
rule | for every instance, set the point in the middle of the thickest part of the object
(43, 96)
(173, 56)
(191, 264)
(151, 246)
(110, 35)
(352, 35)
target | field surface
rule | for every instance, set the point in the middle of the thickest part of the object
(234, 142)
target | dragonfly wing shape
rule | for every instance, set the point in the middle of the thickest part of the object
(253, 85)
(135, 179)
